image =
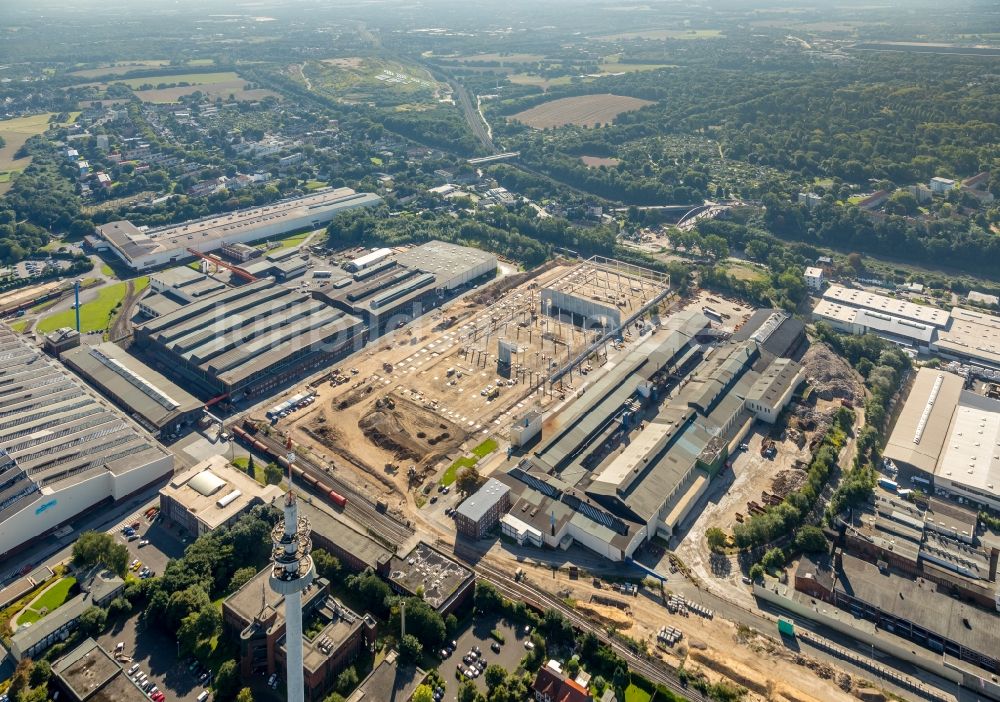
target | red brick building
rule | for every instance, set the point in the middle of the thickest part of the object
(334, 636)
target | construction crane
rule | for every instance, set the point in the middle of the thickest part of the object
(235, 270)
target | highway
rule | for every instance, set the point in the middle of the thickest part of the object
(472, 117)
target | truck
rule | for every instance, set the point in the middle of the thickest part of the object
(887, 484)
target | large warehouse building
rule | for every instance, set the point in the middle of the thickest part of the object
(246, 340)
(965, 335)
(947, 437)
(147, 396)
(385, 287)
(142, 250)
(63, 450)
(631, 457)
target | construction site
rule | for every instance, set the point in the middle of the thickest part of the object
(472, 368)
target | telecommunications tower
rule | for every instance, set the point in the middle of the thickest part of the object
(291, 573)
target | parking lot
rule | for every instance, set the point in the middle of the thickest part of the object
(510, 655)
(166, 541)
(156, 654)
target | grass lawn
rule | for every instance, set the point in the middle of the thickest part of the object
(19, 326)
(745, 272)
(140, 284)
(485, 449)
(452, 472)
(48, 600)
(106, 270)
(635, 694)
(315, 185)
(293, 240)
(94, 315)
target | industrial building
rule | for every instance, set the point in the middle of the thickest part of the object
(254, 615)
(211, 495)
(968, 336)
(481, 512)
(89, 672)
(971, 337)
(387, 287)
(946, 437)
(244, 341)
(911, 608)
(63, 449)
(939, 543)
(427, 573)
(144, 394)
(629, 458)
(142, 250)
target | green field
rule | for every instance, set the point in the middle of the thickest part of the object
(452, 472)
(291, 241)
(19, 326)
(485, 449)
(17, 131)
(106, 270)
(743, 271)
(189, 78)
(49, 600)
(636, 694)
(95, 315)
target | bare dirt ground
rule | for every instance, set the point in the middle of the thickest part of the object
(400, 412)
(717, 647)
(416, 397)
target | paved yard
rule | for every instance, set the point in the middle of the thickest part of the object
(478, 634)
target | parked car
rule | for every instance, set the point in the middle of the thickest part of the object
(144, 542)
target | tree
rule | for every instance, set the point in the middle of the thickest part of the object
(251, 468)
(40, 673)
(199, 626)
(811, 539)
(99, 548)
(756, 572)
(855, 261)
(469, 693)
(241, 577)
(469, 480)
(327, 565)
(93, 620)
(773, 559)
(245, 695)
(347, 680)
(423, 693)
(716, 538)
(227, 681)
(273, 474)
(410, 648)
(372, 590)
(487, 599)
(619, 682)
(495, 675)
(22, 678)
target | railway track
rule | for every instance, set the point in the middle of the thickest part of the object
(359, 508)
(653, 670)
